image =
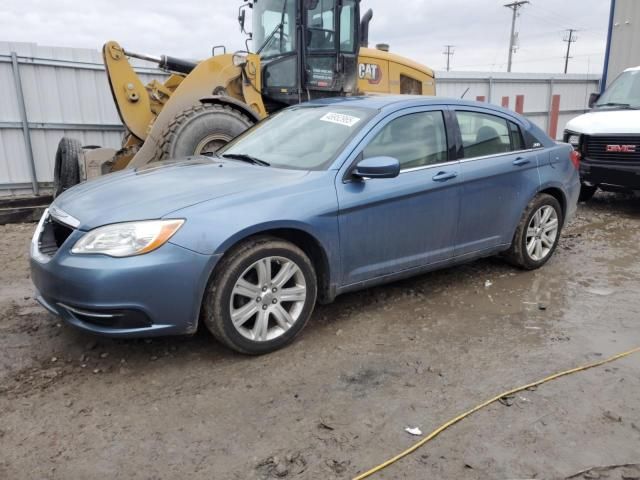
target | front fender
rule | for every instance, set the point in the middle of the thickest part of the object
(265, 228)
(232, 102)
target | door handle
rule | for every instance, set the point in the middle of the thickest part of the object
(521, 161)
(443, 176)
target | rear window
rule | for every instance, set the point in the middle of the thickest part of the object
(484, 134)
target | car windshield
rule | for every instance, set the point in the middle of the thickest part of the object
(301, 137)
(623, 92)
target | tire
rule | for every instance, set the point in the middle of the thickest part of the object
(240, 266)
(587, 192)
(200, 130)
(526, 232)
(66, 171)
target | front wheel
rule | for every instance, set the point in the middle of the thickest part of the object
(201, 130)
(538, 233)
(261, 296)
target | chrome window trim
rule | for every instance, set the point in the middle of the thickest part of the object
(504, 154)
(63, 217)
(431, 165)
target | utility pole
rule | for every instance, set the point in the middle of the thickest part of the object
(449, 53)
(515, 6)
(569, 38)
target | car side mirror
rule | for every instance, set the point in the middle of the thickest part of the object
(593, 98)
(377, 167)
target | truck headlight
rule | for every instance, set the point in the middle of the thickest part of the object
(574, 140)
(127, 239)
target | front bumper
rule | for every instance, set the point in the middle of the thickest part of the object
(618, 176)
(158, 293)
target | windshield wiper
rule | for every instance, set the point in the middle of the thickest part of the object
(243, 157)
(616, 104)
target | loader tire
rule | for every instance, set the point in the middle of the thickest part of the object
(201, 130)
(66, 171)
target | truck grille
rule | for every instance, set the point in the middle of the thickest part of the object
(612, 149)
(53, 236)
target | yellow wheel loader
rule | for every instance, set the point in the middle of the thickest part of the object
(305, 49)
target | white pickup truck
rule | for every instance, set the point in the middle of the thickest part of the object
(608, 137)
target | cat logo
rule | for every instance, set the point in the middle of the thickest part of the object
(370, 72)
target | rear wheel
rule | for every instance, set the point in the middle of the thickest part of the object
(201, 130)
(261, 297)
(66, 171)
(587, 192)
(538, 232)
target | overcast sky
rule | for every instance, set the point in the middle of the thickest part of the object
(417, 29)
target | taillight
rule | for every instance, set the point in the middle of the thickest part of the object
(575, 158)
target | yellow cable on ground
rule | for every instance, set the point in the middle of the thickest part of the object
(438, 430)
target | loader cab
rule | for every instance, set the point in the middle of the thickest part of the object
(308, 48)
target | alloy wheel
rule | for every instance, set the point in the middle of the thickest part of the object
(268, 298)
(542, 233)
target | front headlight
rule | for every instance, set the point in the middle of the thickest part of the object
(574, 140)
(127, 239)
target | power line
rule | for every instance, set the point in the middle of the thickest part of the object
(569, 38)
(449, 53)
(536, 60)
(514, 6)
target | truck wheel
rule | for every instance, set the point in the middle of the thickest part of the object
(261, 296)
(201, 130)
(586, 192)
(537, 234)
(66, 171)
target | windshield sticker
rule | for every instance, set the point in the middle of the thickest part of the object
(340, 119)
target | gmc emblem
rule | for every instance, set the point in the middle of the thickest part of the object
(621, 148)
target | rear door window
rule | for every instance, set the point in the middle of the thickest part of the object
(485, 134)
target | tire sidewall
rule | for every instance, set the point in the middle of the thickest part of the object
(66, 171)
(539, 202)
(218, 299)
(202, 124)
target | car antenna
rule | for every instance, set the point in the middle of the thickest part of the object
(465, 92)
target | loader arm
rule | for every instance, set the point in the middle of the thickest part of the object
(129, 93)
(213, 77)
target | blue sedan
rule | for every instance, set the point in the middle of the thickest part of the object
(315, 201)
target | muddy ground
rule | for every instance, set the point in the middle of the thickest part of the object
(411, 354)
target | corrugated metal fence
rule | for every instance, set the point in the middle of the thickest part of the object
(50, 92)
(47, 93)
(538, 90)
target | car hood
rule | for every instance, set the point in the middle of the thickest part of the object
(610, 122)
(158, 189)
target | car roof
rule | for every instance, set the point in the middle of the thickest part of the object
(398, 102)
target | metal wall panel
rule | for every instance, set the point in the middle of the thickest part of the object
(624, 48)
(66, 94)
(574, 90)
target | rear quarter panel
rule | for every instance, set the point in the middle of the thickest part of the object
(557, 171)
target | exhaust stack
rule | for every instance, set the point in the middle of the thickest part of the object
(364, 28)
